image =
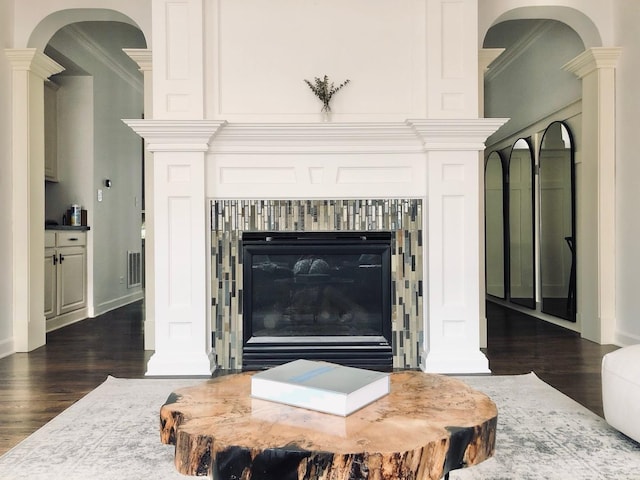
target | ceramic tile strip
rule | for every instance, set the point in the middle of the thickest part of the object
(403, 217)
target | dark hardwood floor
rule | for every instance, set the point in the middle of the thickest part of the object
(36, 386)
(518, 343)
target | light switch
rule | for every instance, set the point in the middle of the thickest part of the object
(99, 194)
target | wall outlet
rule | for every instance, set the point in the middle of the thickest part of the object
(121, 279)
(99, 194)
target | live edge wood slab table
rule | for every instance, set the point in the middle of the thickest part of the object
(425, 427)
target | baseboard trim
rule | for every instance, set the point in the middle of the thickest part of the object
(66, 319)
(6, 347)
(117, 303)
(624, 339)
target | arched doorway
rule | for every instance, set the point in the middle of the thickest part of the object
(29, 192)
(536, 96)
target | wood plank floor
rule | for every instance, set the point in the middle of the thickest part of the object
(36, 386)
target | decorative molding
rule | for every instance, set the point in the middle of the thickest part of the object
(142, 57)
(98, 52)
(592, 59)
(30, 59)
(176, 135)
(316, 138)
(519, 48)
(446, 134)
(411, 136)
(486, 57)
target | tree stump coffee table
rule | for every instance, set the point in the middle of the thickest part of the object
(425, 427)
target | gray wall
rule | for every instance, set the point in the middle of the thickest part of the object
(533, 85)
(94, 145)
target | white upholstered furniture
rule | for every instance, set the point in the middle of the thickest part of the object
(621, 390)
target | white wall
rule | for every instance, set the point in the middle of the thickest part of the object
(6, 277)
(258, 54)
(45, 17)
(627, 173)
(118, 218)
(592, 19)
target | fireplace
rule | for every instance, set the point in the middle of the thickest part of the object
(419, 179)
(317, 295)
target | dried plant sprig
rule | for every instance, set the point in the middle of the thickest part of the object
(324, 90)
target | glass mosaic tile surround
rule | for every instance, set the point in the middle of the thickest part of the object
(403, 217)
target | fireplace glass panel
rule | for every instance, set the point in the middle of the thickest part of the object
(323, 296)
(326, 292)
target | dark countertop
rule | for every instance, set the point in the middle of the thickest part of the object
(82, 228)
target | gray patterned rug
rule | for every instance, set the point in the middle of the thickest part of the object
(112, 434)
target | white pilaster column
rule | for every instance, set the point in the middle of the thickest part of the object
(452, 57)
(30, 69)
(178, 59)
(452, 314)
(181, 254)
(596, 237)
(144, 60)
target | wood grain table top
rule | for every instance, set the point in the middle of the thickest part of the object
(425, 427)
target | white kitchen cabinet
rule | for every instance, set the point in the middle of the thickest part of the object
(50, 275)
(65, 277)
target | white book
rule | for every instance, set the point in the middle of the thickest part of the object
(322, 386)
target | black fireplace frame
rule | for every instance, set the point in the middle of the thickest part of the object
(364, 351)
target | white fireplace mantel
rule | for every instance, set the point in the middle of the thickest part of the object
(436, 160)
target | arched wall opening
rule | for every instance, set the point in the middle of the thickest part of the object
(93, 130)
(595, 310)
(583, 24)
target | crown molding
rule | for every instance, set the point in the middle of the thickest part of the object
(98, 52)
(518, 49)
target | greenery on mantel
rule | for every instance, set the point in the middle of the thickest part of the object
(324, 90)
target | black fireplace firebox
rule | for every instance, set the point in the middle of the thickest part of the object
(318, 296)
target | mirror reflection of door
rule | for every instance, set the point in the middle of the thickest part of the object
(494, 226)
(557, 239)
(521, 232)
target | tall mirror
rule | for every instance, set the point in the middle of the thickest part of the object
(521, 232)
(557, 224)
(494, 192)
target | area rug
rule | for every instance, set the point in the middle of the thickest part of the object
(112, 434)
